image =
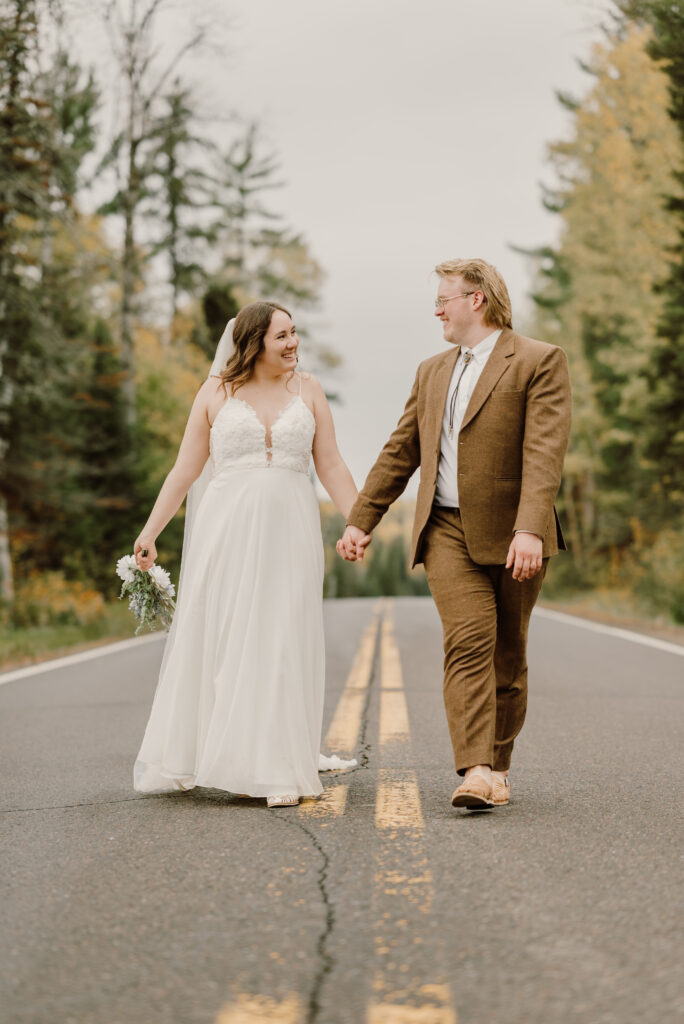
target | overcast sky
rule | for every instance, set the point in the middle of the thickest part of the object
(409, 131)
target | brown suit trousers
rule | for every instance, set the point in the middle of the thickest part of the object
(511, 447)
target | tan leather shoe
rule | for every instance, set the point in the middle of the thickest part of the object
(474, 793)
(501, 789)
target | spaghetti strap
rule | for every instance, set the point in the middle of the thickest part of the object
(300, 383)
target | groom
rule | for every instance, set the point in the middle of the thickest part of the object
(487, 422)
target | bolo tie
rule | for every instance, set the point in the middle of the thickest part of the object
(467, 356)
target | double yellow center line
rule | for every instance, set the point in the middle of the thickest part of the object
(344, 731)
(403, 884)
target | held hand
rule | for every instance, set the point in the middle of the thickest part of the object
(525, 555)
(144, 544)
(352, 545)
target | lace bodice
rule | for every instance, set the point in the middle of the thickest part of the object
(237, 439)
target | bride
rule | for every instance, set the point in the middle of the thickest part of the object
(239, 701)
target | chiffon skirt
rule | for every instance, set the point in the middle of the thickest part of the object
(239, 701)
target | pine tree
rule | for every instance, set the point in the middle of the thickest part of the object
(133, 152)
(100, 528)
(596, 293)
(25, 159)
(665, 414)
(48, 268)
(184, 196)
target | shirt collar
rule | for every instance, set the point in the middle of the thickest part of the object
(484, 348)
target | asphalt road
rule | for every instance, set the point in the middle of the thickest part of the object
(378, 904)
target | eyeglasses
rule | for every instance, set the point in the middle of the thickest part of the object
(441, 303)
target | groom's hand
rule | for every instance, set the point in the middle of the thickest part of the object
(525, 555)
(353, 543)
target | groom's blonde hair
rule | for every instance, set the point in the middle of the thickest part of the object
(481, 276)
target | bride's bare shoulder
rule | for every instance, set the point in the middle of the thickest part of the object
(309, 381)
(210, 387)
(210, 396)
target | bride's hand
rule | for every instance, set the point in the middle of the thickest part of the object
(352, 545)
(144, 561)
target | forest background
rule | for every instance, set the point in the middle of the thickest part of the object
(110, 311)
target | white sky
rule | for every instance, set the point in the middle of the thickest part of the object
(409, 131)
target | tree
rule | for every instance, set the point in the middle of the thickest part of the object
(184, 197)
(134, 148)
(260, 257)
(665, 411)
(103, 496)
(596, 293)
(22, 148)
(45, 130)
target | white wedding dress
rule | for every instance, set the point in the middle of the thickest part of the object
(239, 701)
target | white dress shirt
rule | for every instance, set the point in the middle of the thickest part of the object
(447, 481)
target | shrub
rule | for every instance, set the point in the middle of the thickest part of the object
(662, 573)
(48, 599)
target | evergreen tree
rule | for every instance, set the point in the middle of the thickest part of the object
(596, 293)
(133, 152)
(100, 528)
(48, 269)
(184, 196)
(260, 256)
(27, 147)
(665, 414)
(219, 305)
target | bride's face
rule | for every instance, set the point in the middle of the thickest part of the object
(280, 344)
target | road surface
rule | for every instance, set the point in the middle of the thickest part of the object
(379, 903)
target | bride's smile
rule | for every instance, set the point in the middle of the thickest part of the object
(280, 346)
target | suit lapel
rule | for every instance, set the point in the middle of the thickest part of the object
(495, 367)
(441, 390)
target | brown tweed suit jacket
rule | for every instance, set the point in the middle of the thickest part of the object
(512, 444)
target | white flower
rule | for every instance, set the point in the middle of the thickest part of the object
(162, 579)
(150, 594)
(125, 568)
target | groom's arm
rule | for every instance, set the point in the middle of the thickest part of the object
(394, 467)
(548, 414)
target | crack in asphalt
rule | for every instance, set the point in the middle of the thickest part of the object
(85, 803)
(326, 962)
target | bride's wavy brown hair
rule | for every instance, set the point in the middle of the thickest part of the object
(249, 330)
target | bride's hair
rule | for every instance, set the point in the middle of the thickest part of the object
(249, 330)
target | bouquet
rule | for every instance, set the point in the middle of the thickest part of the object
(150, 593)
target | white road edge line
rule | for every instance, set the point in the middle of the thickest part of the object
(74, 659)
(122, 645)
(619, 634)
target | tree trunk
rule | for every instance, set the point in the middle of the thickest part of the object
(6, 575)
(575, 536)
(129, 271)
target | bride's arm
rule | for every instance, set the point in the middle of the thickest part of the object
(192, 455)
(331, 468)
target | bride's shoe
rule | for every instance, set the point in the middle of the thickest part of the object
(282, 800)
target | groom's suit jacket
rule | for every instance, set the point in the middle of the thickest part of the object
(510, 449)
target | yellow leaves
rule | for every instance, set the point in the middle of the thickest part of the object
(168, 377)
(48, 598)
(615, 172)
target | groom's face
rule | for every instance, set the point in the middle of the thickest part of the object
(456, 313)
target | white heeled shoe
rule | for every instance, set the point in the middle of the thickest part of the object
(282, 800)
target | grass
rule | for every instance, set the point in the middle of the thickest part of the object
(616, 608)
(23, 646)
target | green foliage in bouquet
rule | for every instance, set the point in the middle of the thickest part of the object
(150, 593)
